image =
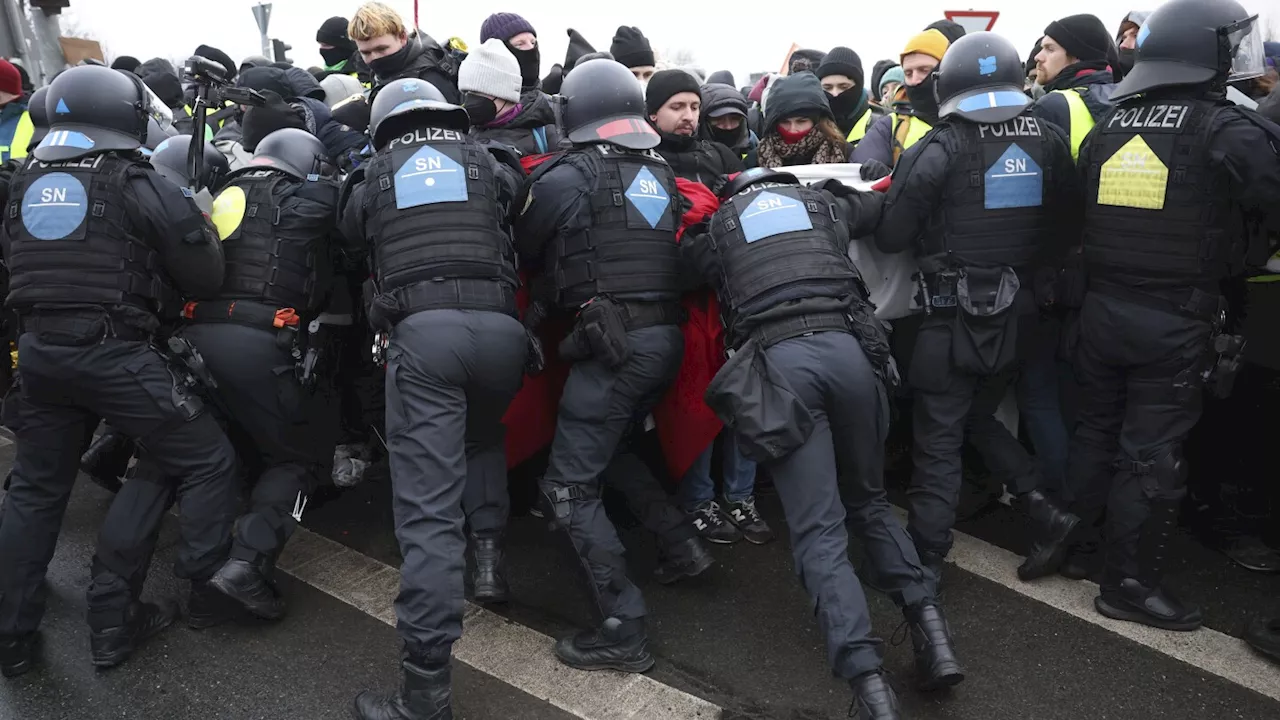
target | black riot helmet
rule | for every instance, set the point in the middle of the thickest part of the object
(753, 176)
(292, 151)
(92, 109)
(156, 134)
(603, 102)
(981, 79)
(39, 116)
(419, 98)
(170, 160)
(1195, 42)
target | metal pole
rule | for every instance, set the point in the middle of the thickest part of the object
(266, 47)
(17, 23)
(415, 14)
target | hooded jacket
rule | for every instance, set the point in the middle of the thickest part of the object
(155, 65)
(339, 140)
(423, 58)
(536, 112)
(716, 96)
(288, 83)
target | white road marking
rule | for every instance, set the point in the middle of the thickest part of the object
(508, 651)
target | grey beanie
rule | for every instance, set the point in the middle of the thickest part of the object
(491, 70)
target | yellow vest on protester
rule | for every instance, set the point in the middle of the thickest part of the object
(1081, 118)
(907, 131)
(17, 145)
(860, 127)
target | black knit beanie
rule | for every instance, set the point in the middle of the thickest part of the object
(631, 48)
(1082, 36)
(667, 84)
(950, 29)
(842, 61)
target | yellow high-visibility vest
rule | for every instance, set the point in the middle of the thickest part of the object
(17, 146)
(907, 131)
(860, 127)
(1081, 118)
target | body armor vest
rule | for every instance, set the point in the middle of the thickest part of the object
(777, 243)
(275, 254)
(436, 215)
(992, 212)
(1154, 207)
(624, 243)
(73, 242)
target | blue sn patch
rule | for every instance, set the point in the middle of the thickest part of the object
(1015, 181)
(67, 138)
(62, 108)
(987, 65)
(770, 214)
(648, 196)
(54, 206)
(429, 177)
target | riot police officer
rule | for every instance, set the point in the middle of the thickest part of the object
(1169, 173)
(802, 328)
(265, 339)
(433, 206)
(601, 221)
(101, 248)
(981, 202)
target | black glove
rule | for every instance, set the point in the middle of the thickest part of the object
(872, 170)
(260, 122)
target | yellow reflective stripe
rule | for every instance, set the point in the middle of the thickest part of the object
(21, 140)
(1081, 118)
(860, 127)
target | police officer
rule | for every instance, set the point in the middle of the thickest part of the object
(264, 336)
(983, 200)
(601, 221)
(793, 303)
(433, 205)
(100, 248)
(1168, 173)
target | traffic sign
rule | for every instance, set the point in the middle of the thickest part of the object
(262, 13)
(974, 20)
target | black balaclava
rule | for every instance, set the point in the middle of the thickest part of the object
(923, 101)
(530, 65)
(334, 32)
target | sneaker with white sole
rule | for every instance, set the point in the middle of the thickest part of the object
(746, 518)
(709, 520)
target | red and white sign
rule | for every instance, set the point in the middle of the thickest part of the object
(974, 20)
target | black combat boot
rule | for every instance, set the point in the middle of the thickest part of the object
(207, 607)
(490, 585)
(107, 459)
(873, 698)
(244, 582)
(685, 559)
(936, 663)
(616, 645)
(1135, 602)
(18, 653)
(112, 646)
(423, 695)
(1050, 528)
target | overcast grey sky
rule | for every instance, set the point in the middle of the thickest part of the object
(720, 33)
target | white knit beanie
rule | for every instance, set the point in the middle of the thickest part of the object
(491, 70)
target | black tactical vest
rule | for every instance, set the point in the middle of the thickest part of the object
(1154, 207)
(992, 212)
(73, 243)
(436, 215)
(276, 253)
(779, 243)
(623, 244)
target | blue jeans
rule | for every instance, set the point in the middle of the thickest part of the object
(697, 487)
(1040, 402)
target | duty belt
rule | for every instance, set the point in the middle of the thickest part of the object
(80, 327)
(1196, 303)
(774, 332)
(638, 316)
(243, 312)
(457, 294)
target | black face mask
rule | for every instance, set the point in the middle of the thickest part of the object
(729, 138)
(922, 100)
(1126, 60)
(335, 55)
(530, 65)
(844, 104)
(391, 64)
(481, 110)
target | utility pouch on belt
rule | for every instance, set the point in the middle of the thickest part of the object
(984, 339)
(751, 397)
(1221, 375)
(191, 377)
(600, 333)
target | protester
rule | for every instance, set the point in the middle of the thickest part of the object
(490, 81)
(800, 129)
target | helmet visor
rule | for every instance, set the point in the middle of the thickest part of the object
(1244, 45)
(156, 107)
